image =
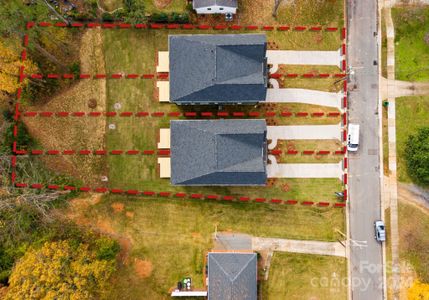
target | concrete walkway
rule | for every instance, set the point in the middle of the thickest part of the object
(313, 58)
(304, 96)
(397, 88)
(298, 246)
(392, 180)
(302, 132)
(304, 170)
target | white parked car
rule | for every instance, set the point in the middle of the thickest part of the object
(353, 137)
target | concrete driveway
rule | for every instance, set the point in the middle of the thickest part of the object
(304, 96)
(312, 58)
(303, 170)
(298, 246)
(303, 132)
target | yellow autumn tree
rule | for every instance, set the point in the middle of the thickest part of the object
(418, 291)
(10, 62)
(59, 270)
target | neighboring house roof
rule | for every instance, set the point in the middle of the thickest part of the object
(232, 276)
(218, 152)
(207, 3)
(227, 68)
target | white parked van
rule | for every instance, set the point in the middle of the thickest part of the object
(353, 137)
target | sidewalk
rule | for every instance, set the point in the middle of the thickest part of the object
(392, 193)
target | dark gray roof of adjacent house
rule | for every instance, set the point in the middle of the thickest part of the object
(218, 152)
(227, 68)
(232, 276)
(206, 3)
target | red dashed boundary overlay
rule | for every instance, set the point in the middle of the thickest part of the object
(159, 152)
(179, 195)
(237, 114)
(105, 25)
(165, 75)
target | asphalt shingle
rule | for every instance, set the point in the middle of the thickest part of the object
(218, 152)
(228, 68)
(232, 276)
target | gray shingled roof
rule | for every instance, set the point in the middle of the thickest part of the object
(218, 152)
(227, 68)
(207, 3)
(232, 276)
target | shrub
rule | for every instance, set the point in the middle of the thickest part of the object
(417, 156)
(159, 18)
(106, 249)
(107, 17)
(179, 18)
(75, 69)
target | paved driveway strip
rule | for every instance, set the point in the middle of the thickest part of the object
(303, 132)
(305, 96)
(312, 58)
(304, 170)
(297, 246)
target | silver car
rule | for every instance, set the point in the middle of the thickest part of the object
(380, 231)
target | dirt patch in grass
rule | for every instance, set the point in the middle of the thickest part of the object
(161, 3)
(117, 207)
(143, 268)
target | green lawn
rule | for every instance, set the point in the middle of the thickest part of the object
(411, 114)
(312, 12)
(411, 50)
(175, 234)
(304, 276)
(414, 241)
(174, 6)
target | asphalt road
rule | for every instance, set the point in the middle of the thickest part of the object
(366, 261)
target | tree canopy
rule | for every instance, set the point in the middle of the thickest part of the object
(418, 291)
(417, 156)
(60, 270)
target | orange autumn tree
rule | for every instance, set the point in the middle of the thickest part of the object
(10, 62)
(418, 291)
(60, 270)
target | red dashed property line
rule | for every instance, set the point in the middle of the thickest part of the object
(315, 28)
(179, 195)
(97, 76)
(254, 114)
(164, 75)
(161, 152)
(307, 75)
(308, 152)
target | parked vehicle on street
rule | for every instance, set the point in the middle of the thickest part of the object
(353, 137)
(380, 231)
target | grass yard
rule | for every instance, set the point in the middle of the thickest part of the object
(411, 114)
(155, 6)
(411, 50)
(331, 84)
(173, 235)
(304, 276)
(312, 145)
(111, 5)
(303, 12)
(414, 241)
